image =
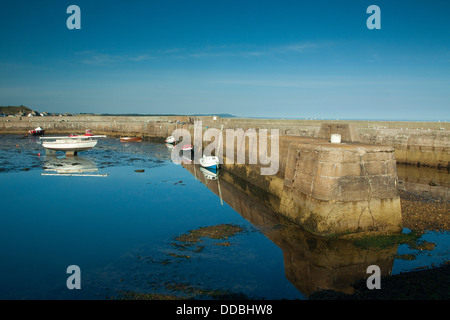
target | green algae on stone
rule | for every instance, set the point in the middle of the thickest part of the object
(387, 240)
(217, 232)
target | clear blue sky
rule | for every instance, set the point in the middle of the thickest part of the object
(291, 59)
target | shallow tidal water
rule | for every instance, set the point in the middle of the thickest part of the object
(116, 211)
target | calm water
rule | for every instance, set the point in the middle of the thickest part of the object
(119, 226)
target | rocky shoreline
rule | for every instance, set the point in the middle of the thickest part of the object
(424, 213)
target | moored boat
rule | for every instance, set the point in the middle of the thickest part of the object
(210, 162)
(88, 133)
(171, 139)
(130, 139)
(37, 132)
(71, 143)
(187, 147)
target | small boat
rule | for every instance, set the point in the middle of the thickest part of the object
(211, 162)
(71, 144)
(87, 134)
(130, 139)
(187, 147)
(36, 132)
(171, 139)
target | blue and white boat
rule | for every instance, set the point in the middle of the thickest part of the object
(211, 162)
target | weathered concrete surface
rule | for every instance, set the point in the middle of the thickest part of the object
(332, 189)
(344, 188)
(418, 147)
(347, 131)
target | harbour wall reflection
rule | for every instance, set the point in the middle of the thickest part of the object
(425, 181)
(311, 263)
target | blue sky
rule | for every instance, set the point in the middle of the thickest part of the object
(290, 59)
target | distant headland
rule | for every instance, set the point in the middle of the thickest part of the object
(23, 111)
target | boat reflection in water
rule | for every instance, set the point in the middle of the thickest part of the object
(311, 263)
(79, 166)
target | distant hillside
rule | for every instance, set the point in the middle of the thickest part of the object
(221, 115)
(14, 110)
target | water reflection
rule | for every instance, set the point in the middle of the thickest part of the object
(209, 175)
(311, 263)
(425, 181)
(72, 166)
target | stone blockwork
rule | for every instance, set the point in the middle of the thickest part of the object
(332, 189)
(338, 189)
(347, 131)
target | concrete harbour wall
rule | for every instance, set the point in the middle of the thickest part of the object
(332, 189)
(417, 143)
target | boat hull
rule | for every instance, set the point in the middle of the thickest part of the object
(130, 139)
(36, 133)
(187, 147)
(63, 145)
(210, 163)
(209, 174)
(170, 139)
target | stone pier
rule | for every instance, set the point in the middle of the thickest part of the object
(332, 189)
(341, 188)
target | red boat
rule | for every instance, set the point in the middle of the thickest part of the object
(87, 134)
(187, 147)
(36, 132)
(130, 139)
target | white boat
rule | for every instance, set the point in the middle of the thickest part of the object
(70, 143)
(171, 139)
(211, 162)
